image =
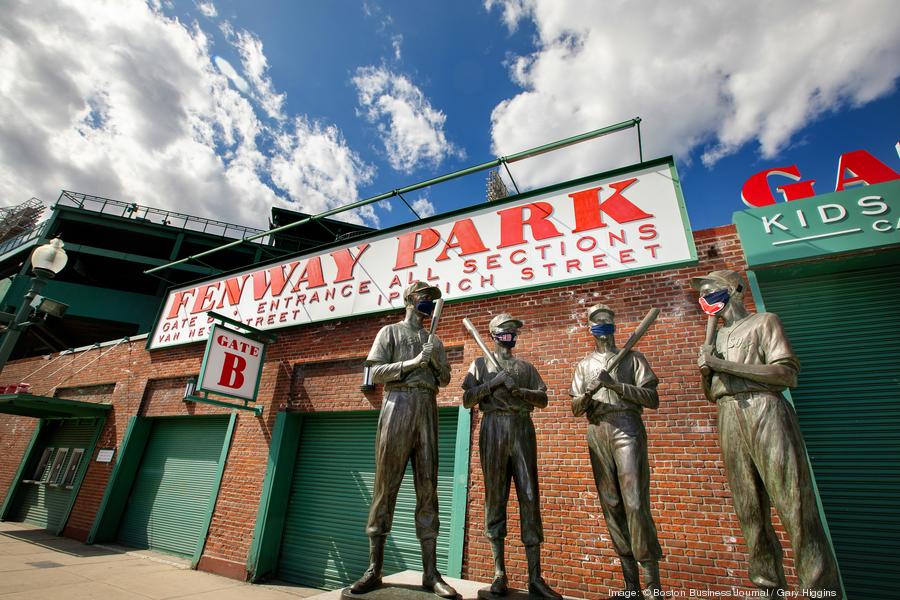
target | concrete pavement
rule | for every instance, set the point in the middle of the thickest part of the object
(37, 565)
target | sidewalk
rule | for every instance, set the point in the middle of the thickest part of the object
(37, 565)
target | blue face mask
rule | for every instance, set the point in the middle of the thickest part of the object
(506, 339)
(601, 329)
(425, 306)
(715, 302)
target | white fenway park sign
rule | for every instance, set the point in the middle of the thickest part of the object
(612, 224)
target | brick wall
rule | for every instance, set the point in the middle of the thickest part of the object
(317, 368)
(15, 433)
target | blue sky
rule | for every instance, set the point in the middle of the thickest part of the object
(224, 108)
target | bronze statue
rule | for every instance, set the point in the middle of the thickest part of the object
(613, 402)
(507, 389)
(412, 365)
(745, 367)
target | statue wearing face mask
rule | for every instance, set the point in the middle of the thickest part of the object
(617, 441)
(411, 368)
(745, 370)
(508, 449)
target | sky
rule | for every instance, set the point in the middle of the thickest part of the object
(223, 109)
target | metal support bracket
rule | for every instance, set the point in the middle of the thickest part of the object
(189, 396)
(253, 332)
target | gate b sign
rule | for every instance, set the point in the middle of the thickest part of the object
(232, 364)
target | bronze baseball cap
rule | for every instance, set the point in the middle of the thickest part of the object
(597, 308)
(731, 279)
(419, 287)
(502, 319)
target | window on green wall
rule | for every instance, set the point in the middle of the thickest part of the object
(56, 471)
(72, 469)
(41, 467)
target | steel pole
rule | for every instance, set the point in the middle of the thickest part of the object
(410, 188)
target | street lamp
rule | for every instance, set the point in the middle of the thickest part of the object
(46, 262)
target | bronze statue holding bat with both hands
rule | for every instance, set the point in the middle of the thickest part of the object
(612, 388)
(507, 389)
(412, 364)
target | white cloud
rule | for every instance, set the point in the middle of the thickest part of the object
(412, 129)
(707, 78)
(513, 11)
(423, 207)
(314, 165)
(228, 71)
(143, 113)
(255, 66)
(207, 9)
(397, 45)
(227, 30)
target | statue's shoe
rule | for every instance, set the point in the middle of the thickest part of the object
(440, 587)
(500, 585)
(538, 588)
(368, 582)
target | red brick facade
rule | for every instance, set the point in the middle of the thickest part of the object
(691, 502)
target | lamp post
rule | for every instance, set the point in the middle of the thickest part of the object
(46, 261)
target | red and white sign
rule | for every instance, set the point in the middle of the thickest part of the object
(232, 364)
(603, 226)
(854, 168)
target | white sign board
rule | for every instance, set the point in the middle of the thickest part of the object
(105, 455)
(608, 225)
(232, 364)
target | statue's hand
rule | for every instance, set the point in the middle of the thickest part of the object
(605, 379)
(425, 354)
(498, 380)
(706, 356)
(509, 382)
(579, 404)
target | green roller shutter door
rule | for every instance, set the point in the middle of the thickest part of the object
(845, 328)
(324, 544)
(43, 504)
(169, 501)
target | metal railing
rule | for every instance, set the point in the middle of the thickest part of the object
(16, 242)
(160, 216)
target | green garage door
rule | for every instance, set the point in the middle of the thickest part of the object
(324, 544)
(169, 502)
(46, 491)
(845, 327)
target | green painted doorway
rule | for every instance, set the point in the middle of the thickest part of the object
(168, 507)
(845, 328)
(47, 486)
(324, 543)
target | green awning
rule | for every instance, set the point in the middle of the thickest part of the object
(44, 407)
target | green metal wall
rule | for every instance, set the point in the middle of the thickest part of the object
(845, 327)
(168, 507)
(40, 503)
(324, 543)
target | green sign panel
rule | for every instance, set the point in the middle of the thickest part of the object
(854, 219)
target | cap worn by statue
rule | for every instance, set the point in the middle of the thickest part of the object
(503, 319)
(730, 279)
(598, 308)
(420, 287)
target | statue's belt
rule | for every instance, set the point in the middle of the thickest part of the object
(610, 415)
(742, 396)
(410, 388)
(507, 411)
